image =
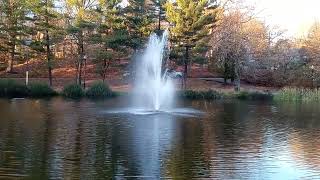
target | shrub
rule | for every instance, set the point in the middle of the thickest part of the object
(73, 91)
(99, 90)
(245, 95)
(209, 95)
(40, 90)
(11, 88)
(120, 93)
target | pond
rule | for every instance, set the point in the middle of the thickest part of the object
(64, 139)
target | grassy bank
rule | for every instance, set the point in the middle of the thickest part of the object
(208, 95)
(13, 89)
(285, 94)
(248, 95)
(214, 95)
(296, 94)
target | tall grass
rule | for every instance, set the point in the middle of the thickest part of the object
(247, 95)
(40, 90)
(212, 95)
(99, 89)
(207, 95)
(11, 88)
(296, 94)
(74, 91)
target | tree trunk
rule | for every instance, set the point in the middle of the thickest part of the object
(104, 70)
(84, 74)
(11, 59)
(64, 49)
(80, 61)
(49, 58)
(48, 48)
(159, 17)
(71, 48)
(79, 72)
(225, 74)
(186, 61)
(237, 76)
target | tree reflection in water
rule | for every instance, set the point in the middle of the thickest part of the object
(54, 139)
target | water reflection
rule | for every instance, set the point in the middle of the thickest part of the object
(59, 139)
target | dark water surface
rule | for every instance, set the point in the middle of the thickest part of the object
(61, 139)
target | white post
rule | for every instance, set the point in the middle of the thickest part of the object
(27, 72)
(27, 78)
(27, 43)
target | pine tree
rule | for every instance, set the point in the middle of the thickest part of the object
(45, 17)
(111, 35)
(191, 21)
(83, 15)
(159, 12)
(139, 21)
(12, 27)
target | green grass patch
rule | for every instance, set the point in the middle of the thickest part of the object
(99, 90)
(298, 94)
(12, 89)
(74, 91)
(41, 90)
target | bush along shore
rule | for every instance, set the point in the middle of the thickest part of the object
(285, 94)
(98, 89)
(215, 95)
(12, 89)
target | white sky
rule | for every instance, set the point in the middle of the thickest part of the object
(296, 16)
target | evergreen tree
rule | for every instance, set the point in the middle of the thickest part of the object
(159, 13)
(111, 35)
(12, 27)
(83, 15)
(139, 21)
(191, 21)
(45, 18)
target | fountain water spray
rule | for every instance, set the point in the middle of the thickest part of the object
(153, 89)
(154, 92)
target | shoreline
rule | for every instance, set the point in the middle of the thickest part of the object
(125, 85)
(199, 89)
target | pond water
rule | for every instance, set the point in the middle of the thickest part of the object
(64, 139)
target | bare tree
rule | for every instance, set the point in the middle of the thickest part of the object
(312, 43)
(230, 46)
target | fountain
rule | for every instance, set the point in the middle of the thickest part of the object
(153, 89)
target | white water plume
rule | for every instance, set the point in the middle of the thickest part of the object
(153, 89)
